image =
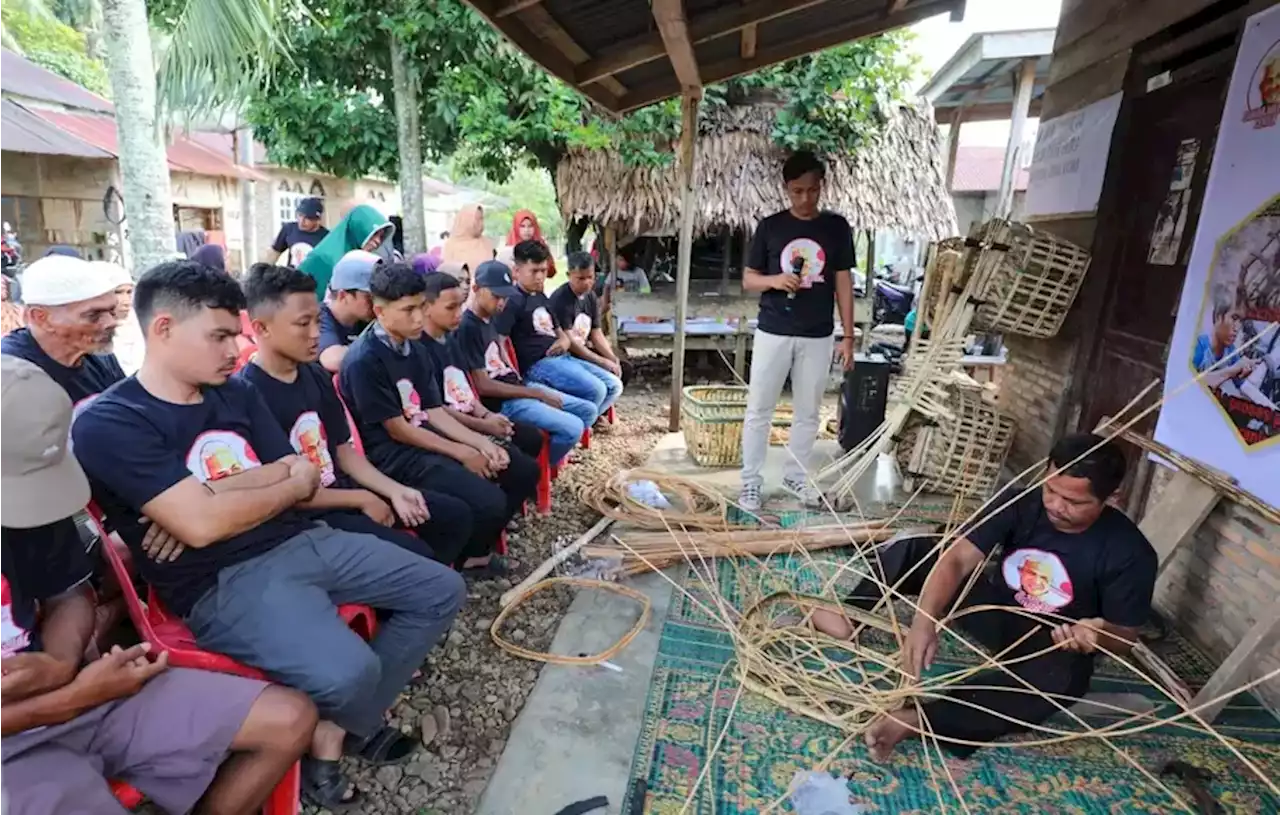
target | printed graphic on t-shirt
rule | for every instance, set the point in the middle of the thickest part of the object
(815, 260)
(1039, 580)
(581, 327)
(494, 364)
(16, 638)
(308, 437)
(219, 453)
(542, 322)
(298, 253)
(410, 402)
(457, 390)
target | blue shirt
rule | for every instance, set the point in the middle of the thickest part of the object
(1202, 357)
(134, 447)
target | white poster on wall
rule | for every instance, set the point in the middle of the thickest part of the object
(1229, 318)
(1070, 159)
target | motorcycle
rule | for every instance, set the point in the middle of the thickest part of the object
(892, 302)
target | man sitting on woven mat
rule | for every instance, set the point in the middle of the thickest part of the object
(1077, 573)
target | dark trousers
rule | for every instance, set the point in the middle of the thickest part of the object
(442, 538)
(527, 439)
(963, 714)
(492, 503)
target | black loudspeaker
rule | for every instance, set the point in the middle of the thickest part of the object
(862, 399)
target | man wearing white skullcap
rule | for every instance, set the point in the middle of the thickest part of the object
(70, 307)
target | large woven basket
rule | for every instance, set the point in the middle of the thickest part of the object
(1036, 280)
(961, 454)
(711, 417)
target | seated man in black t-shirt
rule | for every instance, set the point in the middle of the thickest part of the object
(576, 308)
(69, 725)
(199, 453)
(348, 308)
(390, 385)
(1078, 574)
(445, 296)
(353, 494)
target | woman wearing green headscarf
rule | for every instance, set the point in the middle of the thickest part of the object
(364, 228)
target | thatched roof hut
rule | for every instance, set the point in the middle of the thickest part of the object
(894, 183)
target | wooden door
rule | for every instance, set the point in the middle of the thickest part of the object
(1151, 219)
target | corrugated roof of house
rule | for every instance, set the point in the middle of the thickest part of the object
(978, 169)
(22, 131)
(22, 77)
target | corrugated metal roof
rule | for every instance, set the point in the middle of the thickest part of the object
(184, 155)
(25, 132)
(978, 169)
(21, 77)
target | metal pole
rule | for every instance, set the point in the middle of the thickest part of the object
(688, 151)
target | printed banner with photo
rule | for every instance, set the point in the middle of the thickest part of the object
(1229, 318)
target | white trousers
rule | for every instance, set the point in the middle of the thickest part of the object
(773, 357)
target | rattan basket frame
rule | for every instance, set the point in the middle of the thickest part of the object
(1037, 279)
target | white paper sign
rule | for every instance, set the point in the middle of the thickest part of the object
(1070, 159)
(1231, 418)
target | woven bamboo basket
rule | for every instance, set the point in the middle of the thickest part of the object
(961, 454)
(1035, 283)
(711, 418)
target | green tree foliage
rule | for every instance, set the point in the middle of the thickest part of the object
(52, 44)
(492, 110)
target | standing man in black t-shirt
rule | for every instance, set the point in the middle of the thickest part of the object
(799, 260)
(199, 453)
(348, 308)
(71, 322)
(353, 494)
(307, 231)
(1078, 574)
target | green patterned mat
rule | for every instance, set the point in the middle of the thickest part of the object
(693, 689)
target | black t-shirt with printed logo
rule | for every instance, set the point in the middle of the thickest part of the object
(134, 447)
(451, 369)
(825, 244)
(291, 234)
(527, 319)
(309, 411)
(94, 374)
(333, 332)
(479, 348)
(37, 565)
(577, 315)
(1107, 571)
(379, 383)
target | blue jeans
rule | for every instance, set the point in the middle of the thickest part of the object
(564, 425)
(577, 377)
(277, 613)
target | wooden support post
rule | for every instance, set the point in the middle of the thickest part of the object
(688, 155)
(1024, 84)
(1234, 670)
(953, 146)
(1177, 514)
(740, 349)
(725, 261)
(870, 295)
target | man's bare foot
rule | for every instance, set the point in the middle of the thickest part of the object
(888, 730)
(832, 623)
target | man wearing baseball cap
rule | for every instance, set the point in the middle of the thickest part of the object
(69, 726)
(308, 229)
(348, 308)
(71, 323)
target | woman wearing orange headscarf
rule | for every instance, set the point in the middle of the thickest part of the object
(524, 227)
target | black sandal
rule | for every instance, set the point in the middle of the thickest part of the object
(495, 568)
(325, 785)
(387, 746)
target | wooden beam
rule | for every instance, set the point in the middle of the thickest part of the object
(823, 38)
(674, 28)
(1234, 671)
(747, 48)
(953, 148)
(512, 6)
(1024, 84)
(542, 52)
(1177, 514)
(894, 7)
(984, 112)
(688, 156)
(718, 23)
(547, 28)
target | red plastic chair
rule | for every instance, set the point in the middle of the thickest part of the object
(167, 632)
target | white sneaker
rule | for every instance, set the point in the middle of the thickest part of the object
(803, 490)
(749, 498)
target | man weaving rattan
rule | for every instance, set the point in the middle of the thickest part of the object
(1073, 577)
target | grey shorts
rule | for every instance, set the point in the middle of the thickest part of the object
(167, 741)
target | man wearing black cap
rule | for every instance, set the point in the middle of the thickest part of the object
(308, 229)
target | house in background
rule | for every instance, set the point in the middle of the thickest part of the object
(975, 185)
(60, 180)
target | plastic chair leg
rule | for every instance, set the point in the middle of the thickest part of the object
(611, 415)
(545, 474)
(586, 439)
(286, 798)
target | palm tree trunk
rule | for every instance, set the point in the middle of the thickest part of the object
(409, 140)
(144, 167)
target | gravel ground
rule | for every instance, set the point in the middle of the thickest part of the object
(473, 691)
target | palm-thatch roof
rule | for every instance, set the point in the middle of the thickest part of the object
(894, 182)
